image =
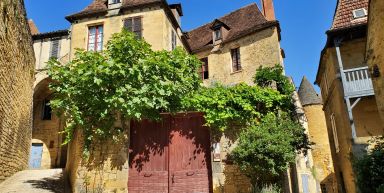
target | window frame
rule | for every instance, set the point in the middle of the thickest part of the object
(58, 40)
(204, 72)
(334, 131)
(138, 32)
(173, 40)
(236, 60)
(218, 34)
(97, 32)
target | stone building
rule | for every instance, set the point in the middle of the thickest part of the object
(346, 86)
(16, 82)
(375, 50)
(232, 48)
(46, 140)
(315, 169)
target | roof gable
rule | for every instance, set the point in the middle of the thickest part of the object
(240, 22)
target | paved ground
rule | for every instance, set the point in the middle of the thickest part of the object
(35, 181)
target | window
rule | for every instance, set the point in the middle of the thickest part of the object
(236, 64)
(54, 52)
(204, 69)
(173, 40)
(133, 24)
(95, 38)
(359, 13)
(334, 130)
(47, 111)
(218, 35)
(114, 1)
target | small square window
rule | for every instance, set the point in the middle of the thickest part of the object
(359, 13)
(47, 110)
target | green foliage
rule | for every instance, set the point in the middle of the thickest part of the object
(269, 136)
(127, 80)
(369, 168)
(240, 105)
(264, 151)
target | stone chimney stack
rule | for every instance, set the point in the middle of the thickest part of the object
(268, 10)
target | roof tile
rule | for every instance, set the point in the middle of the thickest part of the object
(344, 14)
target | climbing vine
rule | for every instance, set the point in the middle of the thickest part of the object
(126, 81)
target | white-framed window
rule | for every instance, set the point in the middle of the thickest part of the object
(334, 131)
(359, 13)
(114, 1)
(95, 38)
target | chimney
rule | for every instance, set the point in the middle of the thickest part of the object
(268, 10)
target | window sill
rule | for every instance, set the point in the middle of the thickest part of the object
(236, 72)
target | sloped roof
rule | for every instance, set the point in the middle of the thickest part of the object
(52, 34)
(307, 93)
(241, 22)
(101, 7)
(343, 17)
(33, 27)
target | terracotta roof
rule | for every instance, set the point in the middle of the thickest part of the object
(307, 93)
(241, 22)
(343, 17)
(33, 27)
(101, 7)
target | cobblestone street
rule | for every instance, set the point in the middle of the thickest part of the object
(35, 181)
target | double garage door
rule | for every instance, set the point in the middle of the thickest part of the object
(171, 156)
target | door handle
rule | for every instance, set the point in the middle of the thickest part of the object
(147, 175)
(190, 173)
(173, 178)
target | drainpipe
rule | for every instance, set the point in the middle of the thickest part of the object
(337, 43)
(70, 43)
(41, 50)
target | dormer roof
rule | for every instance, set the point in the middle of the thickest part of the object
(307, 93)
(241, 22)
(217, 24)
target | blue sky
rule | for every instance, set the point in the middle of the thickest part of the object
(303, 24)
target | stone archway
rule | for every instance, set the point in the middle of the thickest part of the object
(46, 128)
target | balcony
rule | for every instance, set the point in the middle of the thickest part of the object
(358, 82)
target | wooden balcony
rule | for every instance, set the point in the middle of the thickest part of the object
(358, 82)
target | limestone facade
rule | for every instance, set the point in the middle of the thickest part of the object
(46, 127)
(16, 77)
(375, 50)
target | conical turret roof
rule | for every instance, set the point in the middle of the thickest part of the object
(307, 93)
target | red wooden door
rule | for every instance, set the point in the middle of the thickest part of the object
(190, 159)
(170, 156)
(148, 157)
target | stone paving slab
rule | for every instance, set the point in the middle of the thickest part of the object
(35, 181)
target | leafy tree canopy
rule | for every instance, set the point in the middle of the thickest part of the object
(127, 80)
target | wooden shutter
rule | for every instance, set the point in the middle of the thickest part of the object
(54, 48)
(173, 40)
(236, 65)
(137, 26)
(128, 24)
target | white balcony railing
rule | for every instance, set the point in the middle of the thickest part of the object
(358, 82)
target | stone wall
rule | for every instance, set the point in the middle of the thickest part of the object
(375, 50)
(104, 170)
(155, 24)
(16, 77)
(258, 49)
(365, 113)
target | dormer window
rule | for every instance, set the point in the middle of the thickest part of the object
(114, 1)
(218, 34)
(359, 13)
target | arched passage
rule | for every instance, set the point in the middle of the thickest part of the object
(47, 151)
